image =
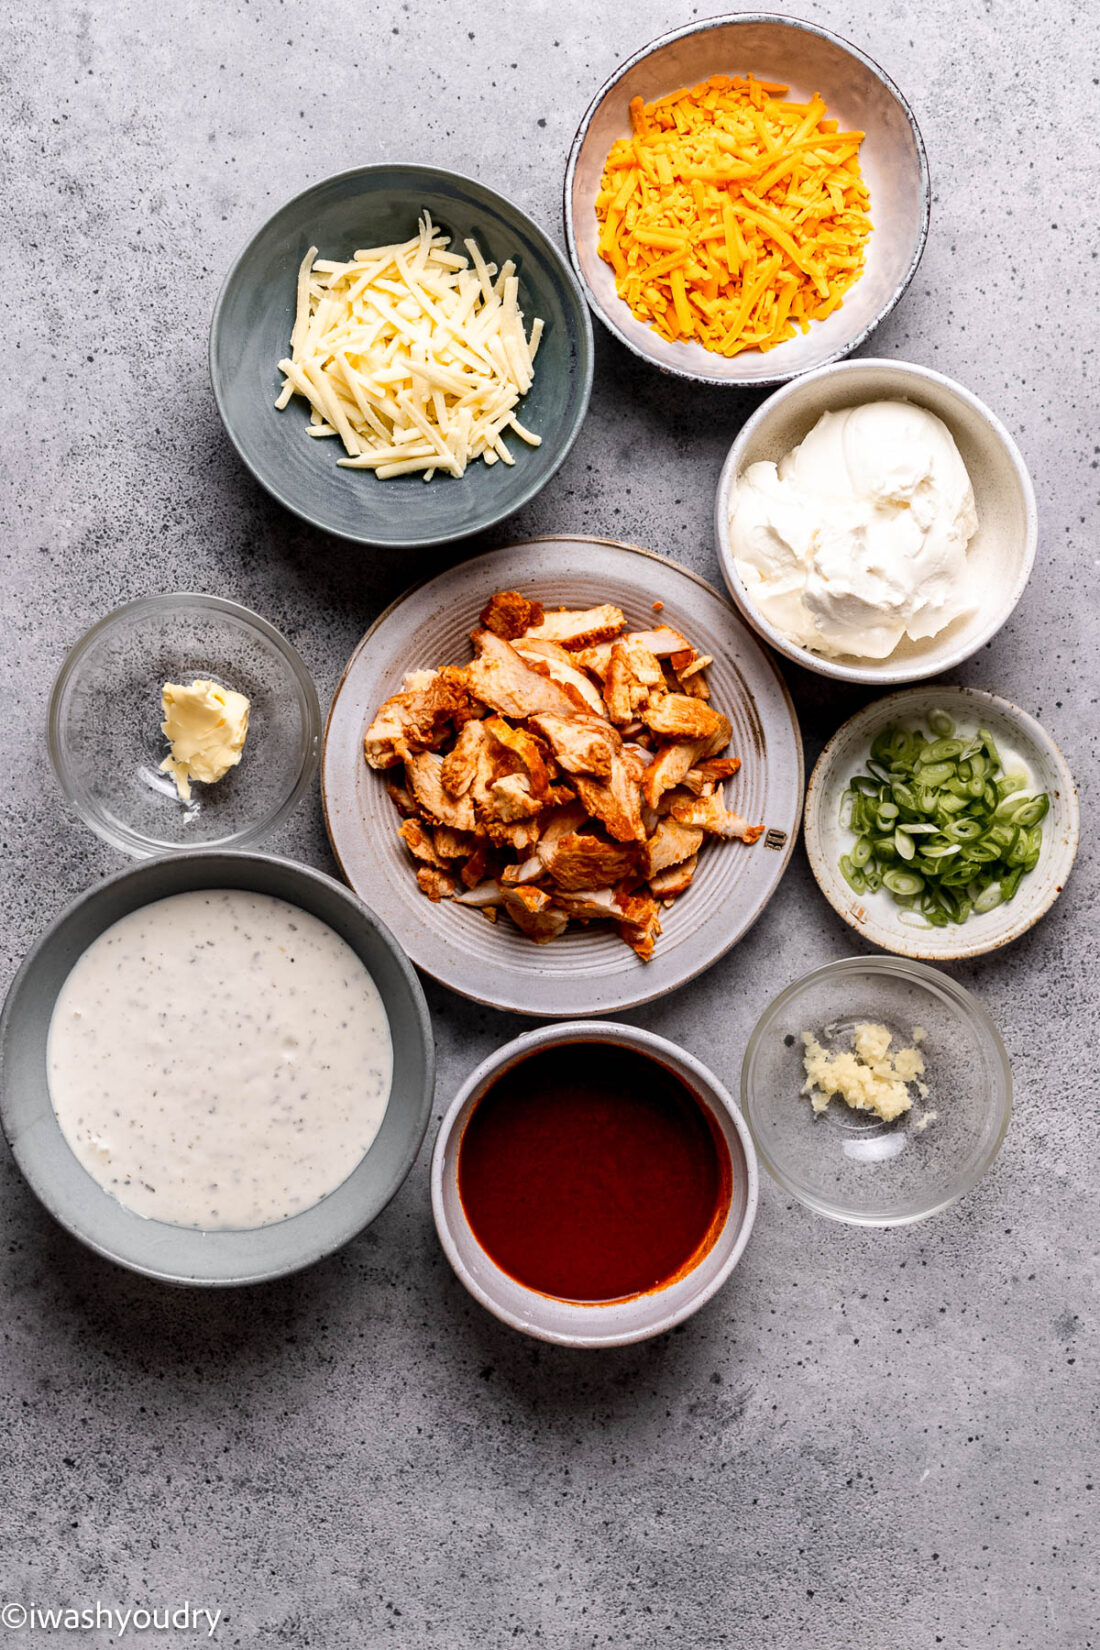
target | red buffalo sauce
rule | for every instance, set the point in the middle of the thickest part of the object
(591, 1172)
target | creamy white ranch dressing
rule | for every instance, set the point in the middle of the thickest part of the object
(219, 1059)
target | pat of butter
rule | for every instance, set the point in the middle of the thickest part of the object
(206, 727)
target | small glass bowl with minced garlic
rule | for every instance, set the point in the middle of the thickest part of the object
(107, 742)
(947, 1091)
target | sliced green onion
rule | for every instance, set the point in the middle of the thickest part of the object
(902, 882)
(938, 823)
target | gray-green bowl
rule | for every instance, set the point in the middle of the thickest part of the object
(250, 334)
(184, 1254)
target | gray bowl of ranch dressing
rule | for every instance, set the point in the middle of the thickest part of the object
(216, 1068)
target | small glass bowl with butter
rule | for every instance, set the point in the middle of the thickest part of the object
(942, 1084)
(107, 713)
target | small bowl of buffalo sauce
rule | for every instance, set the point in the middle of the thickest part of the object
(593, 1184)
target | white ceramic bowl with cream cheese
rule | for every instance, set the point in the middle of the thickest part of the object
(999, 555)
(600, 1323)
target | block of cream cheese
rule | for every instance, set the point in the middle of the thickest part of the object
(858, 536)
(206, 726)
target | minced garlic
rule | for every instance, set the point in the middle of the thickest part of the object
(867, 1077)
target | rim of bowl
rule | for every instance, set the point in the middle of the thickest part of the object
(925, 975)
(1035, 731)
(883, 674)
(710, 1091)
(424, 1026)
(128, 842)
(587, 352)
(799, 24)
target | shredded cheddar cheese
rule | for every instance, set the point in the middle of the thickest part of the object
(732, 217)
(412, 357)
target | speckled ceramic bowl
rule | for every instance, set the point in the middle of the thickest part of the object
(184, 1254)
(858, 94)
(602, 1323)
(588, 969)
(1023, 744)
(250, 333)
(1001, 553)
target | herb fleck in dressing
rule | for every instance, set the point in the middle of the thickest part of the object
(219, 1059)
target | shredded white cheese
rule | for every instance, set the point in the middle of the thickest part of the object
(415, 360)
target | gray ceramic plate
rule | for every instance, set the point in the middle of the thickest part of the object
(180, 1254)
(250, 333)
(858, 94)
(1022, 744)
(587, 970)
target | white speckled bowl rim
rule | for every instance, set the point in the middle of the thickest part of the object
(585, 971)
(857, 91)
(185, 1254)
(844, 755)
(612, 1323)
(1003, 549)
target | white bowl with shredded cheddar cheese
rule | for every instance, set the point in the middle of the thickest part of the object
(877, 1090)
(397, 325)
(749, 277)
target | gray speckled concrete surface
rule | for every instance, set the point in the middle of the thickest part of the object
(872, 1440)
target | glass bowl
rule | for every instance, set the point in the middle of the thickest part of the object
(851, 1165)
(106, 743)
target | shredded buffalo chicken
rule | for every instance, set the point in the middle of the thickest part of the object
(571, 772)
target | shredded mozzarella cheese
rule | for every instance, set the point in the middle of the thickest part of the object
(412, 358)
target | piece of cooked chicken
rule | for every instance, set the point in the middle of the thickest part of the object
(641, 923)
(703, 779)
(502, 680)
(425, 775)
(679, 716)
(523, 751)
(531, 910)
(589, 905)
(579, 629)
(460, 765)
(411, 722)
(437, 885)
(512, 798)
(452, 844)
(710, 814)
(552, 660)
(615, 801)
(579, 862)
(662, 643)
(509, 614)
(581, 744)
(674, 880)
(672, 762)
(670, 843)
(420, 844)
(632, 672)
